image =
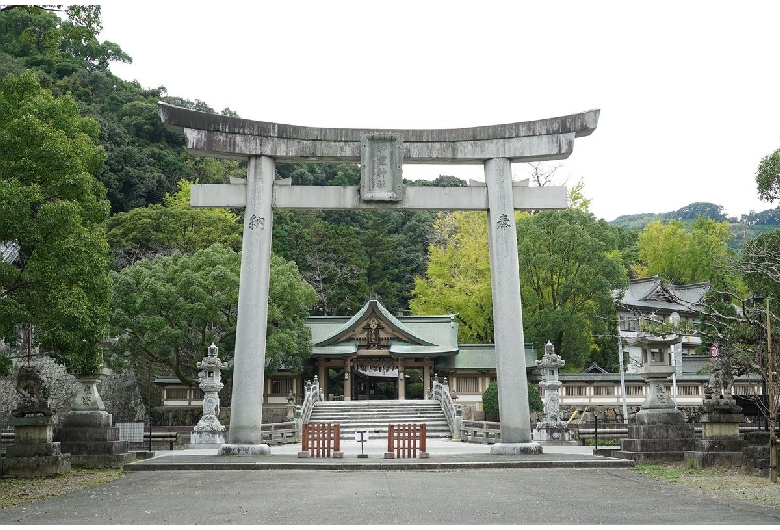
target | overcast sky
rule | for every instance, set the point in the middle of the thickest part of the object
(689, 91)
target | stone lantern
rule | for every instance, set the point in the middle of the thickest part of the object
(209, 432)
(659, 433)
(551, 428)
(656, 368)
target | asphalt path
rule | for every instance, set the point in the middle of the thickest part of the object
(390, 497)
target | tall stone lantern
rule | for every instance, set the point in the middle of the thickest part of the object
(209, 432)
(551, 428)
(656, 369)
(660, 433)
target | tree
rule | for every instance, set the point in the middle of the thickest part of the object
(768, 177)
(457, 280)
(490, 399)
(168, 310)
(570, 266)
(679, 255)
(157, 229)
(53, 211)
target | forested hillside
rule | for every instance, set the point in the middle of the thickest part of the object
(742, 228)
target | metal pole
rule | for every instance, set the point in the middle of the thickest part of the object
(772, 405)
(150, 410)
(622, 377)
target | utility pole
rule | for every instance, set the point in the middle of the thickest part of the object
(622, 375)
(772, 397)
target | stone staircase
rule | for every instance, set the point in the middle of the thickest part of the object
(374, 416)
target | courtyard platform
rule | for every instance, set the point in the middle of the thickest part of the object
(444, 454)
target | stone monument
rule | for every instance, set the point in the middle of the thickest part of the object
(87, 432)
(381, 154)
(551, 430)
(209, 432)
(720, 443)
(660, 433)
(33, 453)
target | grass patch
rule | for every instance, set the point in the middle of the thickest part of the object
(729, 483)
(21, 491)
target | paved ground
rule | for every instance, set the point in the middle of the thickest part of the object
(552, 488)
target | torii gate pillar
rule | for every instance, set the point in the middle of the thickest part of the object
(496, 147)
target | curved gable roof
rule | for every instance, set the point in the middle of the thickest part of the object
(372, 307)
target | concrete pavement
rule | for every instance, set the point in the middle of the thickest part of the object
(562, 486)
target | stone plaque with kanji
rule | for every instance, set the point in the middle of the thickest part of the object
(381, 173)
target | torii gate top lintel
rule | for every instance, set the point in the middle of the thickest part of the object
(226, 136)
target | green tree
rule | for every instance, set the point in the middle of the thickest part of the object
(768, 177)
(490, 399)
(570, 266)
(679, 255)
(53, 212)
(157, 229)
(457, 280)
(168, 310)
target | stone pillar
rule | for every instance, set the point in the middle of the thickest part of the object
(246, 407)
(401, 379)
(507, 313)
(347, 380)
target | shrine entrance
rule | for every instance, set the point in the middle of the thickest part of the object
(373, 354)
(381, 154)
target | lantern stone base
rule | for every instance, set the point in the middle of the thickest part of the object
(720, 445)
(549, 435)
(34, 454)
(243, 450)
(91, 440)
(207, 439)
(529, 448)
(659, 435)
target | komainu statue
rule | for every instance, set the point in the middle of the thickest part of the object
(34, 393)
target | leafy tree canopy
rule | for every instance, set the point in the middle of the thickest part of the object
(53, 214)
(768, 177)
(168, 310)
(173, 227)
(570, 265)
(679, 255)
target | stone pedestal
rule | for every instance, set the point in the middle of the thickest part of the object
(659, 435)
(531, 448)
(244, 450)
(207, 439)
(87, 434)
(33, 453)
(720, 445)
(553, 435)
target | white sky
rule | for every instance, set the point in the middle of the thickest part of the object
(688, 90)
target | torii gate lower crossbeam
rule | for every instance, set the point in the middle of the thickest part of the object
(381, 155)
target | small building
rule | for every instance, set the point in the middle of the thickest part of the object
(654, 300)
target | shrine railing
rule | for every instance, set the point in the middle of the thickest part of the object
(441, 393)
(312, 394)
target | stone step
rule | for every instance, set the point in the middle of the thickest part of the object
(374, 416)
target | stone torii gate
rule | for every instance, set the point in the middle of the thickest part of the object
(381, 154)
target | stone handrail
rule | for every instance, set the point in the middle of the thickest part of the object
(481, 431)
(441, 393)
(312, 394)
